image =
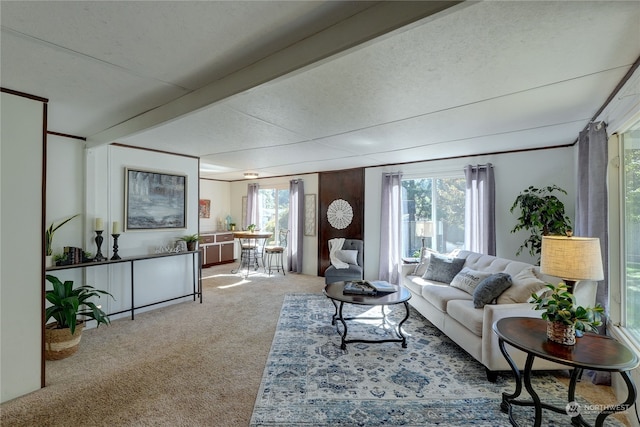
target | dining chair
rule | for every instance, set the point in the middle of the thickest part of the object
(277, 250)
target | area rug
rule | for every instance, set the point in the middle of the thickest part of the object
(309, 381)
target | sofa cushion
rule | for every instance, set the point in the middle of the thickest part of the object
(442, 268)
(524, 284)
(467, 315)
(467, 279)
(350, 256)
(440, 294)
(490, 288)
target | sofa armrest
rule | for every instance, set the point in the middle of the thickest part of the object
(407, 269)
(492, 357)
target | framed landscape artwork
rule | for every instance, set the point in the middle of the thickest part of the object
(154, 200)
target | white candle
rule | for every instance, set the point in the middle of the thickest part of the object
(99, 225)
(116, 228)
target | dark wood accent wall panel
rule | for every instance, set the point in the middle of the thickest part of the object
(349, 186)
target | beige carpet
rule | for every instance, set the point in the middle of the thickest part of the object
(189, 364)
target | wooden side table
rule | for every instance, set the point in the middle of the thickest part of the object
(595, 352)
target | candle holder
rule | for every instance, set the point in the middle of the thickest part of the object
(99, 239)
(115, 246)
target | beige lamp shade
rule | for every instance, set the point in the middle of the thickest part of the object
(571, 258)
(424, 228)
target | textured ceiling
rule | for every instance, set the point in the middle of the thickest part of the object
(293, 87)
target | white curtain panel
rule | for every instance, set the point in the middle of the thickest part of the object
(390, 227)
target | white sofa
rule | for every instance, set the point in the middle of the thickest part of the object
(452, 310)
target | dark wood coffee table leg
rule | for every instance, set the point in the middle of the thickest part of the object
(343, 345)
(400, 334)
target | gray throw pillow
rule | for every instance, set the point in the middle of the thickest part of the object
(442, 268)
(490, 288)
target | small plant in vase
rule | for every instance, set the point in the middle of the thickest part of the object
(251, 228)
(563, 316)
(191, 240)
(48, 237)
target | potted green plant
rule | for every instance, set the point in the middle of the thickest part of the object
(541, 214)
(48, 239)
(62, 337)
(232, 226)
(191, 240)
(251, 228)
(563, 316)
(60, 259)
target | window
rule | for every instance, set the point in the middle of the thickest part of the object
(433, 212)
(274, 209)
(630, 201)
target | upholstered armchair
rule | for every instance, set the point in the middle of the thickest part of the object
(351, 254)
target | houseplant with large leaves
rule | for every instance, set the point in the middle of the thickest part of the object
(69, 306)
(541, 214)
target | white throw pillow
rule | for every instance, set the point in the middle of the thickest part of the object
(350, 256)
(524, 284)
(467, 279)
(421, 267)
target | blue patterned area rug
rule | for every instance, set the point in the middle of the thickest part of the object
(310, 381)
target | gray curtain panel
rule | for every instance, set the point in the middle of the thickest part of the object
(253, 205)
(296, 225)
(591, 210)
(390, 227)
(480, 209)
(591, 205)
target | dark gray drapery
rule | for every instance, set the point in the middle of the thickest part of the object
(480, 209)
(296, 225)
(390, 226)
(591, 210)
(591, 204)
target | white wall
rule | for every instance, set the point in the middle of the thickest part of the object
(514, 172)
(219, 193)
(21, 250)
(100, 192)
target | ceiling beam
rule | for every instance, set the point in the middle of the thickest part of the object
(378, 20)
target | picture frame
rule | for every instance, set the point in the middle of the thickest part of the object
(154, 200)
(309, 214)
(204, 208)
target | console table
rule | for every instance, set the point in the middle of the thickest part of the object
(197, 275)
(591, 351)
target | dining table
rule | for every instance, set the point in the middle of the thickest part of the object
(251, 249)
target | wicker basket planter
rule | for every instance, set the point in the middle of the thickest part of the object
(561, 333)
(59, 343)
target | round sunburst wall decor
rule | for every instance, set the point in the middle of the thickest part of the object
(339, 214)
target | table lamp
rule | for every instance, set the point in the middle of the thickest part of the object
(571, 258)
(424, 229)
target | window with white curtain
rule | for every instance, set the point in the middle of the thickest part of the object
(630, 209)
(274, 209)
(433, 211)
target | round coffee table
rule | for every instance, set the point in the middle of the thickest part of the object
(334, 291)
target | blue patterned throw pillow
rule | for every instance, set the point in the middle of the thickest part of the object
(490, 289)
